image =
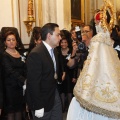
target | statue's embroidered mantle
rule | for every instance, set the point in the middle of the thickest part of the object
(98, 87)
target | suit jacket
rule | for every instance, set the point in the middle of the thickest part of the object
(1, 85)
(41, 84)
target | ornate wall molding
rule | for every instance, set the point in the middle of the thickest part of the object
(12, 7)
(30, 17)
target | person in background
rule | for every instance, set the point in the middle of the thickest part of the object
(14, 72)
(87, 29)
(42, 65)
(35, 38)
(1, 85)
(67, 34)
(115, 35)
(20, 47)
(34, 41)
(73, 35)
(1, 81)
(87, 34)
(69, 80)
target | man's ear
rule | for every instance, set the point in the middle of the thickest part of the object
(48, 35)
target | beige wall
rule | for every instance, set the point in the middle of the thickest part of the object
(56, 11)
(8, 13)
(118, 4)
(14, 12)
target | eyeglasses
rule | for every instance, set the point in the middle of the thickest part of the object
(86, 31)
(11, 39)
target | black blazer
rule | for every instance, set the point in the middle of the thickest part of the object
(1, 83)
(41, 84)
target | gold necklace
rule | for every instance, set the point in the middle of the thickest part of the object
(16, 52)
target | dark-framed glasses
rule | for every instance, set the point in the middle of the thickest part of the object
(86, 31)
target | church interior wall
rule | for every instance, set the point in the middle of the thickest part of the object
(14, 12)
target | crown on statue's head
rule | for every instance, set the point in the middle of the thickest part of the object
(106, 16)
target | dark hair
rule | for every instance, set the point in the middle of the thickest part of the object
(72, 29)
(90, 26)
(92, 22)
(64, 38)
(65, 34)
(1, 44)
(9, 33)
(47, 28)
(3, 39)
(36, 34)
(8, 30)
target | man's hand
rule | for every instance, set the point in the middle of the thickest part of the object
(75, 48)
(71, 61)
(39, 113)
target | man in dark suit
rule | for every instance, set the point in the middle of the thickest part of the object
(42, 95)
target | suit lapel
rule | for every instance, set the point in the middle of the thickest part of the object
(47, 55)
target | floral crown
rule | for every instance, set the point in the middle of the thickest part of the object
(107, 10)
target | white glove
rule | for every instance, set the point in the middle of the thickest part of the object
(39, 113)
(117, 47)
(24, 88)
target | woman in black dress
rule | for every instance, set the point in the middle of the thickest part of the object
(69, 80)
(14, 77)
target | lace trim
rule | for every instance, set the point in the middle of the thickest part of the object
(103, 38)
(95, 109)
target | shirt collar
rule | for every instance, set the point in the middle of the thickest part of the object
(47, 46)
